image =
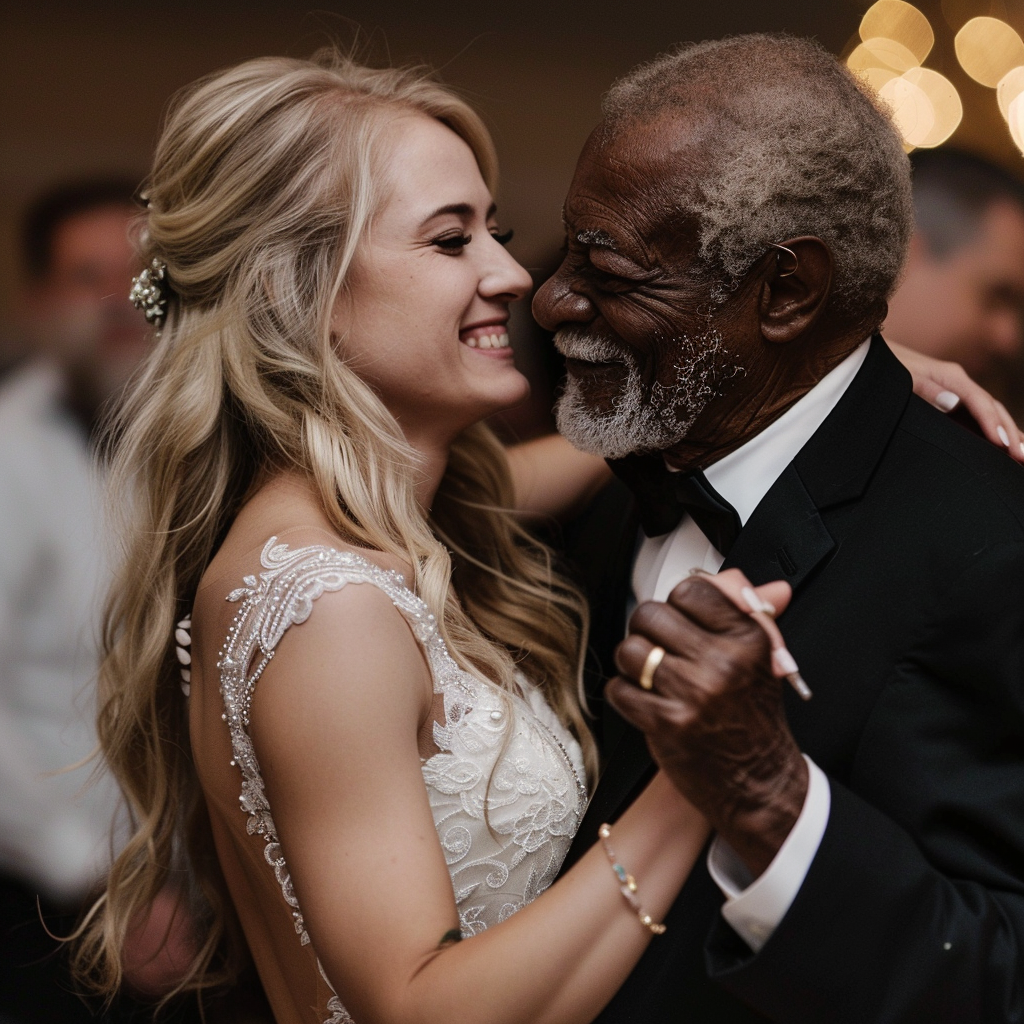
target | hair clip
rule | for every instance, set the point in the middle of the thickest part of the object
(796, 262)
(148, 292)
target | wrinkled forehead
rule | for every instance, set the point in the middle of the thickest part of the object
(632, 179)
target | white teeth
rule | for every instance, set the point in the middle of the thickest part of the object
(488, 341)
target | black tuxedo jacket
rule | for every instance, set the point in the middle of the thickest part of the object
(903, 537)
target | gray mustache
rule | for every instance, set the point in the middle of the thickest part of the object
(575, 344)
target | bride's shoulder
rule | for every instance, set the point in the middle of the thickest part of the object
(358, 624)
(282, 547)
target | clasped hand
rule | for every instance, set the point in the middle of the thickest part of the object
(714, 719)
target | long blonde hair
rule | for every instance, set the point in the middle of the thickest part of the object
(264, 181)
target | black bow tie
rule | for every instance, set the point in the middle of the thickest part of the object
(664, 496)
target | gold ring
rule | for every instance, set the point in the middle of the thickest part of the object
(646, 679)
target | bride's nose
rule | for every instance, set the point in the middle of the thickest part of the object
(503, 277)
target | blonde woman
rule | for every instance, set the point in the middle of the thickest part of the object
(381, 751)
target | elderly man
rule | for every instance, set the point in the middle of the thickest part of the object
(735, 225)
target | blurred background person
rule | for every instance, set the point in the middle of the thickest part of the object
(962, 292)
(84, 341)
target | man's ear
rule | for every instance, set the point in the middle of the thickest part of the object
(795, 289)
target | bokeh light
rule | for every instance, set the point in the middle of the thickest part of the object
(988, 49)
(1015, 120)
(879, 53)
(888, 53)
(1010, 86)
(894, 21)
(911, 108)
(947, 109)
(895, 38)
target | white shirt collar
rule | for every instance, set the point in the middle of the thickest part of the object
(744, 477)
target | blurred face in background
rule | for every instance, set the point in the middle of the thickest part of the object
(968, 304)
(78, 312)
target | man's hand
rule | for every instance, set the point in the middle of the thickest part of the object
(714, 720)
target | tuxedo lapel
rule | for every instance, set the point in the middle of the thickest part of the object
(786, 536)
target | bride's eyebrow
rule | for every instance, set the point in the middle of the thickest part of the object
(464, 210)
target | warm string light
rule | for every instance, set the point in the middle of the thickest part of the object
(895, 40)
(992, 53)
(988, 49)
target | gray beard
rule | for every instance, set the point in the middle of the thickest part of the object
(642, 418)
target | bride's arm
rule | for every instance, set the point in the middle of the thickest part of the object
(335, 722)
(940, 382)
(553, 479)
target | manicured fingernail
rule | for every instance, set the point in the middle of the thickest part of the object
(1003, 436)
(784, 661)
(1022, 448)
(797, 682)
(755, 603)
(947, 401)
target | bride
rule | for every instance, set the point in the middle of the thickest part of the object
(362, 743)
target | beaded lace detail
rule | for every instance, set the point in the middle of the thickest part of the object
(506, 799)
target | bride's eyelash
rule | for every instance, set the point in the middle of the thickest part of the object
(452, 243)
(456, 243)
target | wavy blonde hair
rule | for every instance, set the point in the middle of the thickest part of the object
(264, 182)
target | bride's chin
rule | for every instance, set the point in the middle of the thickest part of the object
(515, 392)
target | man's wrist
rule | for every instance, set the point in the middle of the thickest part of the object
(752, 908)
(757, 834)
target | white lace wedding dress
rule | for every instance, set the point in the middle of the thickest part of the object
(527, 774)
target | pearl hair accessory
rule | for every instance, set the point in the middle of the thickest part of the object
(148, 292)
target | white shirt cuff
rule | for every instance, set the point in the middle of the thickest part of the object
(752, 907)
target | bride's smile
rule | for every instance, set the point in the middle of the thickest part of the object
(423, 317)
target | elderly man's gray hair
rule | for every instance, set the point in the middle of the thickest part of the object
(791, 145)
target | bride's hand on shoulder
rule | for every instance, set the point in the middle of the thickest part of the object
(946, 386)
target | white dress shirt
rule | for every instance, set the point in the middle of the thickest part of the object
(54, 830)
(753, 908)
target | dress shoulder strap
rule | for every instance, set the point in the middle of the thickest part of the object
(280, 596)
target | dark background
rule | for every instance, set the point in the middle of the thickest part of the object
(83, 86)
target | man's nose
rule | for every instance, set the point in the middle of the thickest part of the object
(557, 302)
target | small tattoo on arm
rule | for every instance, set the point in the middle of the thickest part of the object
(450, 936)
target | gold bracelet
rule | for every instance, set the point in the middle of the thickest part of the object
(627, 883)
